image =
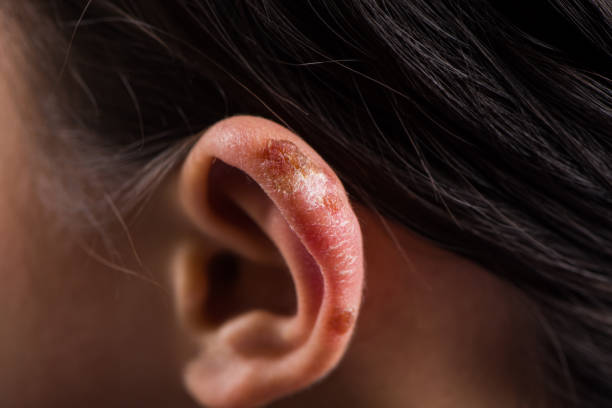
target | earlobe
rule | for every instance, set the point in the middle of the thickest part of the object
(260, 191)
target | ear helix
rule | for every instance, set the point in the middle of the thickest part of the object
(310, 220)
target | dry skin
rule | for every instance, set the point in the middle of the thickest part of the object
(291, 172)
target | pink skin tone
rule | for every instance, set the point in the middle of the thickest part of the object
(307, 216)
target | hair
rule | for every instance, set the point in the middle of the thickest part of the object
(483, 126)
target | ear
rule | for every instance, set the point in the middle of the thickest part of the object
(264, 196)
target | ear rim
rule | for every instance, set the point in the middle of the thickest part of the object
(251, 144)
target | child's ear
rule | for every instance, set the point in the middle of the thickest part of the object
(276, 210)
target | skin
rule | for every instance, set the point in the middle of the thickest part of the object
(434, 329)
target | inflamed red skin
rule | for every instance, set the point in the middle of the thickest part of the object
(305, 212)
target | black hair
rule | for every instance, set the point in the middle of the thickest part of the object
(484, 126)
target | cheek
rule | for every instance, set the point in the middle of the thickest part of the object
(37, 308)
(23, 250)
(13, 241)
(16, 222)
(70, 327)
(13, 275)
(71, 330)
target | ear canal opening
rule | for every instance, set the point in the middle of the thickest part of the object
(237, 286)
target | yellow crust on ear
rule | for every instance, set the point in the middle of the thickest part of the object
(290, 171)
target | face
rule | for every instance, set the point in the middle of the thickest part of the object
(80, 325)
(73, 327)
